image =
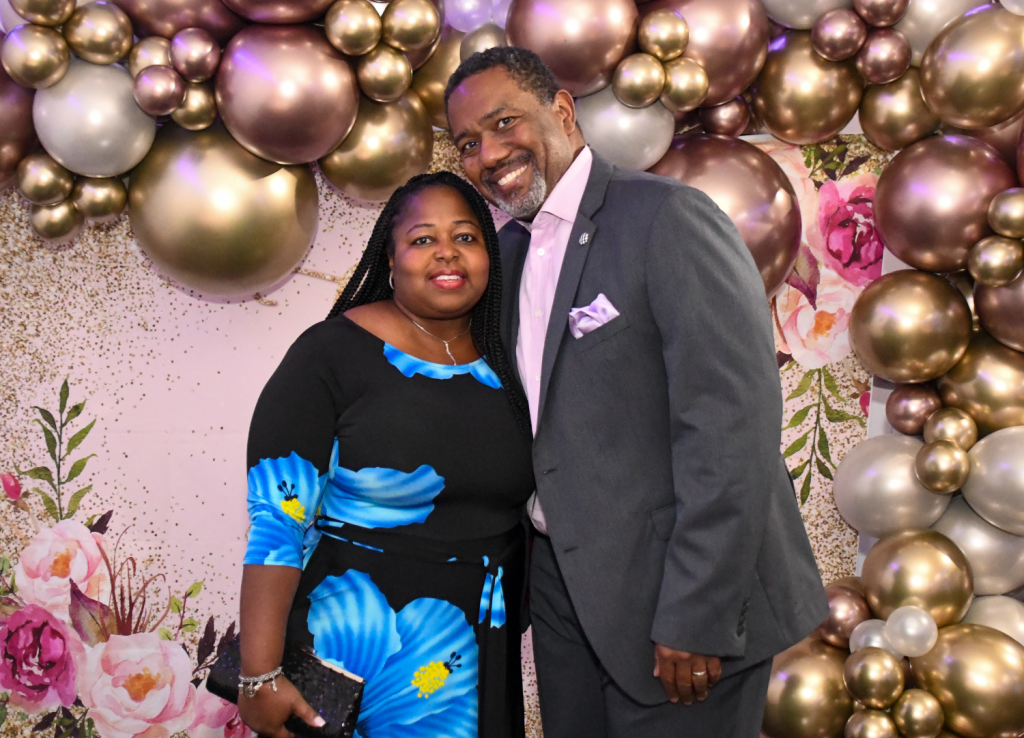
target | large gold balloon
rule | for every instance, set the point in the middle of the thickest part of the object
(638, 80)
(580, 40)
(410, 25)
(953, 425)
(838, 34)
(35, 56)
(806, 694)
(17, 134)
(44, 12)
(918, 714)
(1001, 311)
(42, 180)
(487, 36)
(996, 261)
(353, 26)
(977, 674)
(167, 17)
(847, 609)
(972, 74)
(99, 32)
(195, 54)
(58, 223)
(910, 326)
(199, 109)
(430, 80)
(874, 677)
(884, 57)
(870, 724)
(931, 201)
(100, 199)
(218, 219)
(389, 143)
(1006, 213)
(663, 34)
(151, 51)
(801, 97)
(922, 568)
(384, 74)
(988, 383)
(942, 467)
(686, 85)
(909, 406)
(752, 190)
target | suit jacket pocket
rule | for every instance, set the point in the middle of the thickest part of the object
(664, 521)
(606, 331)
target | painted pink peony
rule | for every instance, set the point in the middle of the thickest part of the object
(12, 487)
(56, 556)
(38, 665)
(816, 337)
(850, 244)
(137, 685)
(216, 718)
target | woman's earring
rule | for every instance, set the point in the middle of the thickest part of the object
(391, 281)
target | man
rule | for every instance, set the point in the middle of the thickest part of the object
(670, 552)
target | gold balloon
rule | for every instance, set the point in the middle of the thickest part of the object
(996, 261)
(918, 714)
(389, 143)
(987, 383)
(910, 326)
(972, 74)
(1006, 213)
(953, 425)
(638, 80)
(847, 609)
(487, 36)
(384, 74)
(727, 119)
(884, 57)
(151, 51)
(199, 109)
(99, 32)
(977, 675)
(218, 219)
(353, 26)
(963, 282)
(870, 724)
(909, 406)
(663, 34)
(922, 568)
(801, 97)
(686, 85)
(410, 25)
(44, 12)
(100, 199)
(43, 181)
(942, 467)
(806, 694)
(430, 80)
(35, 56)
(874, 677)
(58, 223)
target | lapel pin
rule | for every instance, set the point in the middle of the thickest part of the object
(584, 238)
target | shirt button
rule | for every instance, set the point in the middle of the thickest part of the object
(537, 314)
(540, 252)
(537, 377)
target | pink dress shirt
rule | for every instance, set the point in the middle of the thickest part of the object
(549, 237)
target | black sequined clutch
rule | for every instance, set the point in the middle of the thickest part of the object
(333, 692)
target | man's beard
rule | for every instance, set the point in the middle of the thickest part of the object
(527, 205)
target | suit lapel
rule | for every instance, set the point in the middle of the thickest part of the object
(515, 242)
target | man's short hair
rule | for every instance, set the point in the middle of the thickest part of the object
(524, 66)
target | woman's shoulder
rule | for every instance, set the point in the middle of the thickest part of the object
(336, 337)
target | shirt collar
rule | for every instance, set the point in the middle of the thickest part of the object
(564, 200)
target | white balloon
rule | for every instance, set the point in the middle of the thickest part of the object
(925, 18)
(911, 630)
(467, 15)
(1002, 613)
(801, 14)
(635, 138)
(500, 12)
(877, 490)
(995, 488)
(871, 633)
(1014, 6)
(9, 19)
(996, 557)
(90, 122)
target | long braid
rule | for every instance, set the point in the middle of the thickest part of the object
(369, 282)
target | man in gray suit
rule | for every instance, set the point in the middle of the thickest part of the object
(670, 552)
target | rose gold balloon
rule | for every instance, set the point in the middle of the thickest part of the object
(638, 80)
(580, 40)
(285, 93)
(800, 96)
(909, 406)
(1001, 311)
(353, 26)
(953, 425)
(885, 56)
(35, 56)
(42, 181)
(942, 467)
(1002, 136)
(485, 37)
(1006, 213)
(686, 86)
(167, 17)
(159, 90)
(384, 74)
(279, 11)
(847, 609)
(988, 383)
(752, 190)
(410, 25)
(853, 583)
(963, 282)
(663, 34)
(728, 38)
(99, 32)
(996, 261)
(17, 134)
(152, 51)
(894, 115)
(199, 110)
(727, 119)
(44, 12)
(973, 72)
(931, 202)
(430, 80)
(58, 223)
(195, 54)
(838, 34)
(881, 13)
(806, 695)
(100, 199)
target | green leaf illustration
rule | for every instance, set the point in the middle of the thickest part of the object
(805, 384)
(805, 490)
(76, 500)
(830, 383)
(51, 442)
(64, 389)
(175, 605)
(76, 440)
(47, 417)
(823, 470)
(798, 418)
(3, 715)
(195, 589)
(41, 473)
(823, 448)
(839, 416)
(165, 635)
(78, 467)
(49, 504)
(189, 625)
(795, 474)
(74, 412)
(796, 445)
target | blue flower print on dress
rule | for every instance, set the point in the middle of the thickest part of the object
(410, 365)
(381, 498)
(420, 664)
(492, 600)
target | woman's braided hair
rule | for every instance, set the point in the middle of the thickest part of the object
(369, 282)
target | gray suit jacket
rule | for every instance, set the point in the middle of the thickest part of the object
(671, 512)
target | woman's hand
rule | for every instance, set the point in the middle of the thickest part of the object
(268, 710)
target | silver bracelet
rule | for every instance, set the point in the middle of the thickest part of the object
(249, 686)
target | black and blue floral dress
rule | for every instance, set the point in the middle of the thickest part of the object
(397, 485)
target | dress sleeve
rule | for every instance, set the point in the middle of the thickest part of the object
(291, 452)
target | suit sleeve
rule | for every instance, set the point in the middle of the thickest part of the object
(725, 406)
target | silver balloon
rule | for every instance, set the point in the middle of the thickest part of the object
(996, 557)
(9, 18)
(995, 488)
(877, 491)
(90, 122)
(925, 18)
(871, 634)
(1014, 6)
(1005, 614)
(911, 630)
(801, 14)
(629, 137)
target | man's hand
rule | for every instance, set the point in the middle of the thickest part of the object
(685, 675)
(267, 711)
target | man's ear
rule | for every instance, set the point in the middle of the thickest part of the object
(565, 107)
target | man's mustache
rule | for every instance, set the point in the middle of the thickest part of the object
(507, 165)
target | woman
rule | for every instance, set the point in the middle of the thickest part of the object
(389, 462)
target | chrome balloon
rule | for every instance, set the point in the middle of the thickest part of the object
(996, 557)
(987, 383)
(995, 489)
(635, 138)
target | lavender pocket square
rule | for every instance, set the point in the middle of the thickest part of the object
(583, 320)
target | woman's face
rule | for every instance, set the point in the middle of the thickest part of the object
(440, 264)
